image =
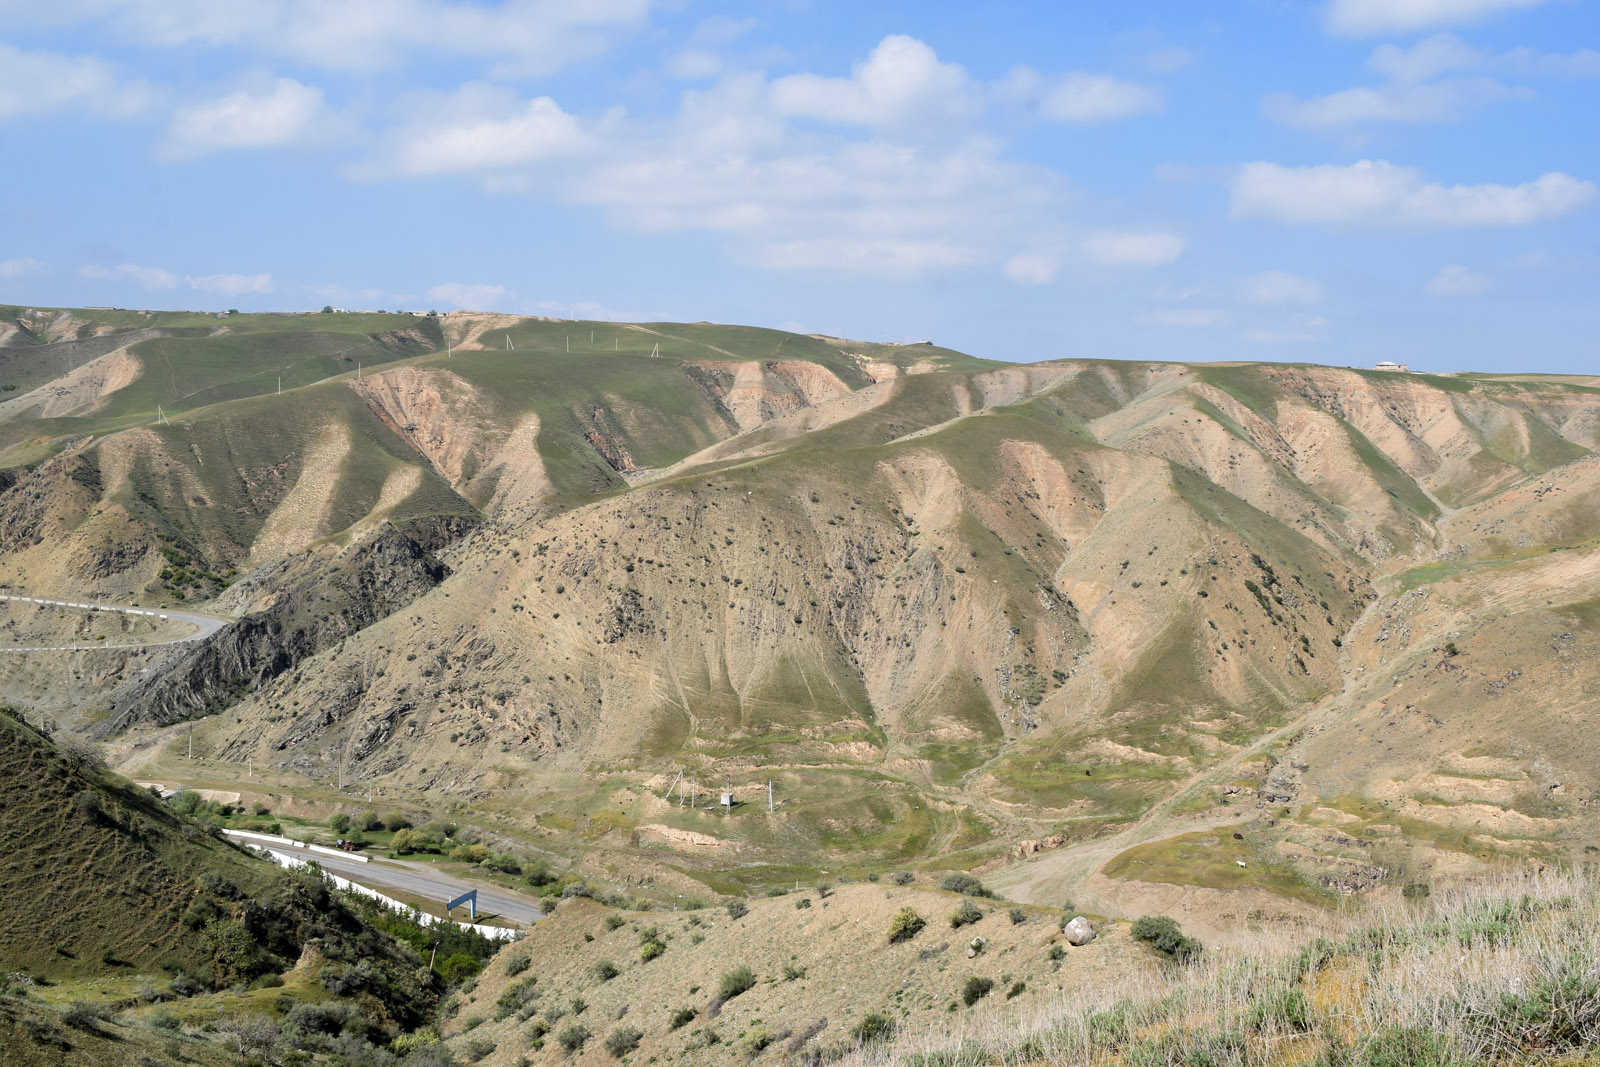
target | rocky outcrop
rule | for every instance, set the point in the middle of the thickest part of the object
(302, 610)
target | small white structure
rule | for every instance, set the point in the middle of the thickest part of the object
(727, 798)
(1387, 365)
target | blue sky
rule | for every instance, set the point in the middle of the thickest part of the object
(1338, 181)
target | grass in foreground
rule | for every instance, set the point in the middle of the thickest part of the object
(1498, 974)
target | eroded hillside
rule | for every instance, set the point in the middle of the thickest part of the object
(949, 608)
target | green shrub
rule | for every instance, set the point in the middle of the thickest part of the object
(905, 925)
(791, 973)
(966, 913)
(614, 921)
(163, 1020)
(458, 967)
(975, 990)
(1018, 916)
(1404, 1046)
(964, 883)
(393, 821)
(737, 909)
(476, 1049)
(1164, 935)
(873, 1027)
(84, 1015)
(605, 970)
(681, 1018)
(1017, 989)
(622, 1041)
(516, 965)
(573, 1037)
(902, 878)
(1281, 1009)
(651, 949)
(739, 980)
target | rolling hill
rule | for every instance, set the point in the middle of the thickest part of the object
(1072, 619)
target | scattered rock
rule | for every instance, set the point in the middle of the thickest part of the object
(1079, 932)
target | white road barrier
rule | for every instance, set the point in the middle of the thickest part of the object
(493, 933)
(289, 842)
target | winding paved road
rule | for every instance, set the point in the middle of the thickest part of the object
(423, 880)
(205, 625)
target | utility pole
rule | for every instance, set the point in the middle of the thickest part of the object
(769, 794)
(191, 741)
(280, 384)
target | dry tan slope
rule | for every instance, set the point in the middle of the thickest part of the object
(79, 391)
(840, 943)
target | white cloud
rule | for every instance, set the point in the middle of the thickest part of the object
(1120, 248)
(1443, 101)
(282, 112)
(43, 83)
(147, 277)
(901, 82)
(1032, 268)
(1080, 97)
(231, 284)
(480, 128)
(1367, 18)
(1584, 63)
(475, 297)
(1281, 287)
(702, 58)
(1378, 193)
(21, 268)
(1427, 59)
(520, 36)
(1188, 318)
(1456, 280)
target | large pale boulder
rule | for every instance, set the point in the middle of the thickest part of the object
(1078, 931)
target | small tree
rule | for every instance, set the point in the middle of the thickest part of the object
(905, 925)
(407, 841)
(339, 824)
(370, 822)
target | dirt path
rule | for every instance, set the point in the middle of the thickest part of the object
(1066, 874)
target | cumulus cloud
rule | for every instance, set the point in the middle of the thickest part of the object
(143, 276)
(231, 284)
(1379, 193)
(461, 295)
(901, 82)
(45, 83)
(519, 36)
(281, 112)
(1121, 248)
(479, 128)
(1281, 287)
(1456, 280)
(21, 268)
(1369, 18)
